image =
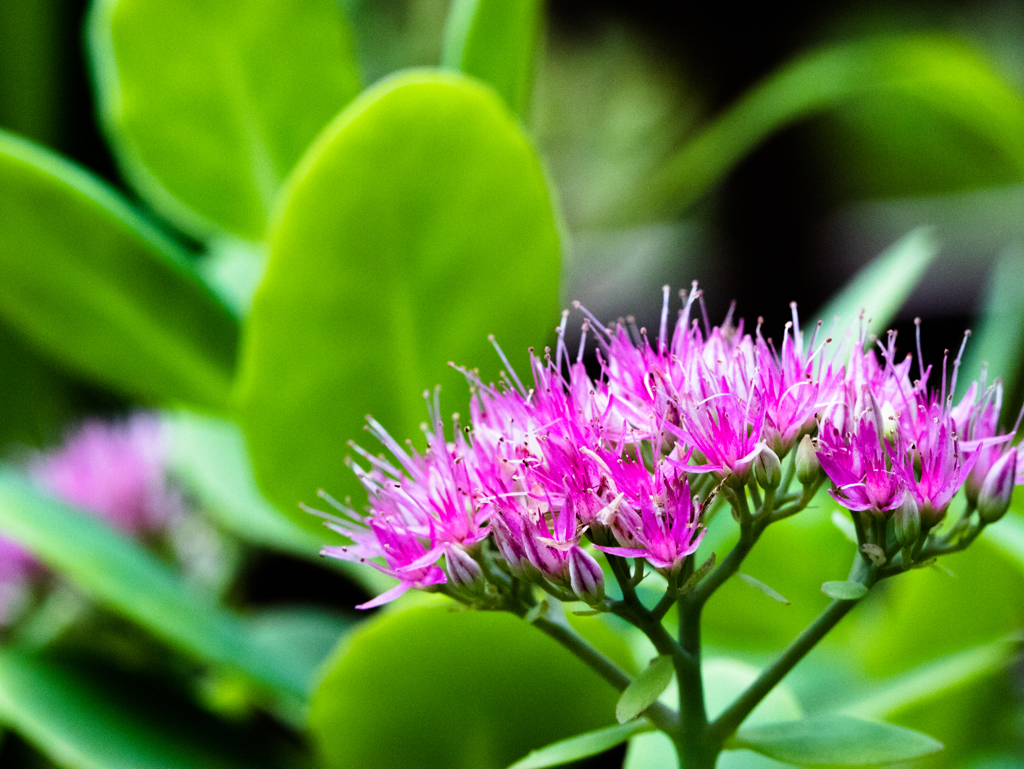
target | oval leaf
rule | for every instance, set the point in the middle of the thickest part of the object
(831, 740)
(767, 590)
(645, 689)
(455, 689)
(494, 40)
(91, 283)
(418, 224)
(209, 104)
(844, 590)
(581, 746)
(119, 573)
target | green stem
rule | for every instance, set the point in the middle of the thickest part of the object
(662, 717)
(695, 749)
(733, 716)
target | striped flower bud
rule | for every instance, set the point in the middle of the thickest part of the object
(768, 469)
(586, 577)
(997, 489)
(906, 521)
(807, 466)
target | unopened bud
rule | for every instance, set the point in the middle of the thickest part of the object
(906, 522)
(997, 489)
(808, 469)
(768, 469)
(463, 571)
(586, 577)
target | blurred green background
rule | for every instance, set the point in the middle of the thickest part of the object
(770, 153)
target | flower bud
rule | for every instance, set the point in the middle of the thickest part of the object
(906, 521)
(586, 577)
(997, 489)
(463, 571)
(808, 468)
(768, 469)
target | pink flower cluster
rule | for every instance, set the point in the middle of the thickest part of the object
(543, 471)
(115, 471)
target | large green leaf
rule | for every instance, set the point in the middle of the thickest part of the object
(209, 103)
(81, 725)
(933, 72)
(37, 402)
(494, 41)
(454, 690)
(832, 740)
(418, 224)
(118, 572)
(99, 289)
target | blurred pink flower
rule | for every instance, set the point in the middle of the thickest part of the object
(115, 470)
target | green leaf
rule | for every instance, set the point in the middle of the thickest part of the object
(306, 634)
(208, 456)
(999, 339)
(645, 689)
(494, 41)
(118, 572)
(418, 224)
(93, 285)
(830, 740)
(478, 689)
(210, 103)
(581, 746)
(767, 590)
(933, 679)
(845, 525)
(37, 401)
(80, 725)
(879, 289)
(934, 72)
(844, 590)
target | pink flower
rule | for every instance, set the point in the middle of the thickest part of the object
(653, 516)
(114, 470)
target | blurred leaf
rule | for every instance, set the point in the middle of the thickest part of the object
(80, 725)
(645, 689)
(936, 72)
(91, 283)
(844, 590)
(999, 339)
(845, 525)
(879, 289)
(581, 746)
(494, 40)
(119, 573)
(831, 740)
(932, 679)
(766, 589)
(210, 103)
(478, 690)
(306, 634)
(419, 223)
(207, 454)
(37, 402)
(233, 268)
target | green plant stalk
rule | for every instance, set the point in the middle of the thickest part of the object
(730, 719)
